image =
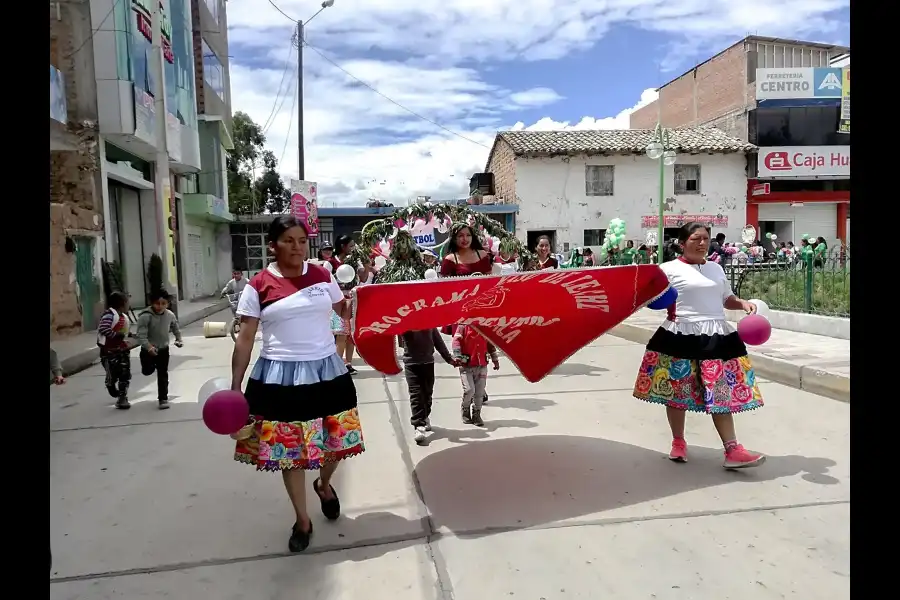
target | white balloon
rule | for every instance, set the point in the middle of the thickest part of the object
(430, 274)
(345, 273)
(380, 261)
(328, 266)
(773, 237)
(496, 269)
(762, 309)
(216, 384)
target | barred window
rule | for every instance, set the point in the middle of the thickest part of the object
(687, 179)
(598, 180)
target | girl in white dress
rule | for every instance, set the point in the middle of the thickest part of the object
(696, 361)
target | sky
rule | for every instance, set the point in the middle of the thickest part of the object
(403, 98)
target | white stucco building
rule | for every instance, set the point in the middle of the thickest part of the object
(569, 184)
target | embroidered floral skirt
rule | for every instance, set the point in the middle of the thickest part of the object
(706, 372)
(339, 326)
(306, 415)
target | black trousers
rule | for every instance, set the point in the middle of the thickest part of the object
(117, 365)
(160, 364)
(420, 381)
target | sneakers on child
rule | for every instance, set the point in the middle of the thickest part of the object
(476, 417)
(678, 453)
(163, 403)
(427, 424)
(466, 415)
(419, 434)
(738, 457)
(123, 403)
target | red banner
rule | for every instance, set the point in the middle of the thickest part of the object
(537, 319)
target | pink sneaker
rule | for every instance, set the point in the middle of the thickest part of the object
(740, 458)
(679, 451)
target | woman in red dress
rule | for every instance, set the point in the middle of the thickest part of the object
(465, 254)
(545, 259)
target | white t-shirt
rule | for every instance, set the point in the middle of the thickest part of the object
(294, 312)
(702, 290)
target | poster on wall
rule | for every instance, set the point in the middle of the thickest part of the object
(304, 204)
(139, 24)
(423, 233)
(844, 126)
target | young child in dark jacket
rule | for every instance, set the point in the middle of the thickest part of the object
(418, 367)
(112, 332)
(154, 325)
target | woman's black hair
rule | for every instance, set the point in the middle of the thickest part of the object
(783, 245)
(544, 237)
(673, 248)
(452, 248)
(588, 252)
(804, 242)
(821, 240)
(688, 229)
(117, 300)
(282, 223)
(341, 243)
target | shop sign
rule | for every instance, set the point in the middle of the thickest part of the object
(790, 84)
(804, 161)
(679, 220)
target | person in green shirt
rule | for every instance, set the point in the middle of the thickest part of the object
(820, 252)
(628, 253)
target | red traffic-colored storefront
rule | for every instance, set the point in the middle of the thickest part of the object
(791, 214)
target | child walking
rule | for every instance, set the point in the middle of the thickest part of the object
(418, 367)
(154, 324)
(114, 352)
(472, 349)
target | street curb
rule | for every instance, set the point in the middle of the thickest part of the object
(808, 378)
(84, 360)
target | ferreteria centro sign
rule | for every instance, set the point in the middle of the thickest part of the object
(576, 306)
(792, 84)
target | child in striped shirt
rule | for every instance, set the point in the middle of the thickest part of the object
(114, 352)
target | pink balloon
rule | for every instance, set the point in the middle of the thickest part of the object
(754, 330)
(226, 412)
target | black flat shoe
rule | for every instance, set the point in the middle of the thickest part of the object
(330, 508)
(299, 539)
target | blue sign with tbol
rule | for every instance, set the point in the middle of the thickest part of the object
(424, 240)
(827, 83)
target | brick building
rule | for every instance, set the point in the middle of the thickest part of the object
(76, 219)
(745, 91)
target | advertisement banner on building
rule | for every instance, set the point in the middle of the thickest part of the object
(58, 110)
(142, 73)
(173, 137)
(844, 126)
(804, 161)
(303, 204)
(169, 233)
(791, 84)
(679, 220)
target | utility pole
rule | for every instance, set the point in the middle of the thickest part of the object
(300, 157)
(162, 187)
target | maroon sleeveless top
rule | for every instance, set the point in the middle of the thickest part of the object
(453, 269)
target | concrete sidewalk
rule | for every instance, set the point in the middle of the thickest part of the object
(565, 494)
(79, 352)
(815, 363)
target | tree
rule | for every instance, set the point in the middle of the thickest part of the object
(270, 188)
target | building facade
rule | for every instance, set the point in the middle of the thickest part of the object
(76, 216)
(785, 97)
(206, 236)
(568, 185)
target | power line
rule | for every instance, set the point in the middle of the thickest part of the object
(93, 31)
(287, 16)
(287, 65)
(389, 99)
(291, 122)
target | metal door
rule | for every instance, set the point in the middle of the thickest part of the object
(88, 289)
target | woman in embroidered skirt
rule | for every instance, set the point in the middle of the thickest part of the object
(696, 361)
(302, 400)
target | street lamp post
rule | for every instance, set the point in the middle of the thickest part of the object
(301, 159)
(660, 149)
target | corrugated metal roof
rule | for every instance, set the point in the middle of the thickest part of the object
(688, 140)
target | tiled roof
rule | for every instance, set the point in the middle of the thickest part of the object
(688, 140)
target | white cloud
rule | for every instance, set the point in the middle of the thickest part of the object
(359, 144)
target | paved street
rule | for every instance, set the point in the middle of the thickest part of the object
(566, 494)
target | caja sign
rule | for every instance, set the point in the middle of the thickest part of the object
(804, 161)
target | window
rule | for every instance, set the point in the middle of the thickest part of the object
(249, 251)
(213, 72)
(598, 180)
(687, 179)
(797, 126)
(593, 237)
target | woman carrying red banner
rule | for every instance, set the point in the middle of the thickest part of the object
(696, 361)
(301, 397)
(465, 254)
(545, 260)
